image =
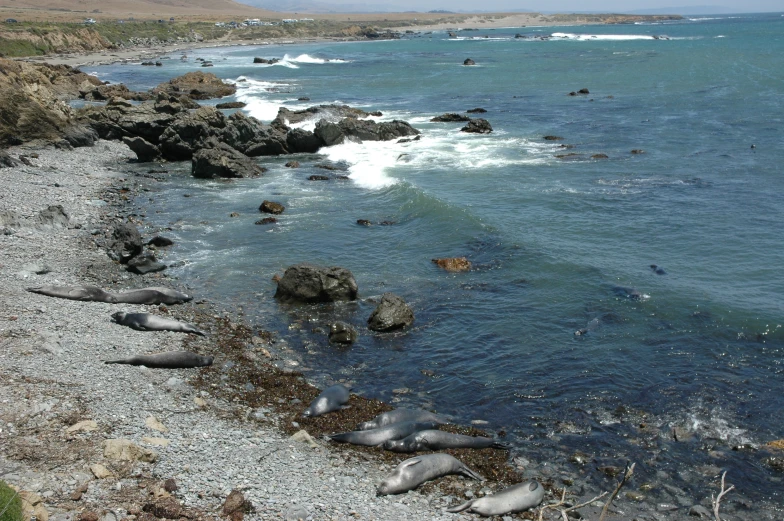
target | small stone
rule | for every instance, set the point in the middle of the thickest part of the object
(200, 402)
(303, 437)
(158, 442)
(100, 472)
(170, 485)
(82, 426)
(235, 506)
(153, 423)
(126, 450)
(699, 511)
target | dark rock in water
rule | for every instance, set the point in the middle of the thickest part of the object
(409, 139)
(317, 177)
(266, 220)
(362, 130)
(53, 216)
(302, 141)
(478, 126)
(775, 462)
(253, 137)
(325, 166)
(392, 313)
(223, 161)
(271, 207)
(478, 110)
(148, 63)
(292, 164)
(583, 91)
(191, 132)
(158, 64)
(205, 64)
(6, 161)
(125, 243)
(600, 156)
(230, 105)
(469, 61)
(234, 214)
(658, 270)
(364, 222)
(308, 283)
(144, 264)
(144, 150)
(638, 151)
(266, 61)
(552, 138)
(342, 333)
(79, 135)
(197, 85)
(160, 242)
(303, 98)
(287, 116)
(450, 118)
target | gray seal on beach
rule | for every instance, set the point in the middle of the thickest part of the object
(414, 471)
(167, 360)
(376, 437)
(438, 440)
(154, 295)
(331, 399)
(513, 499)
(401, 415)
(149, 322)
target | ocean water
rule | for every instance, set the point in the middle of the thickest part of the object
(553, 240)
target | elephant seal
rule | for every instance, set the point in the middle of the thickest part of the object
(154, 295)
(83, 293)
(376, 437)
(330, 399)
(592, 324)
(167, 360)
(438, 440)
(513, 499)
(148, 322)
(414, 471)
(658, 270)
(401, 415)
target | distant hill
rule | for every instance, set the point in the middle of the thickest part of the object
(139, 9)
(315, 7)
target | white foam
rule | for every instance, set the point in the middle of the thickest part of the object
(306, 58)
(601, 37)
(370, 162)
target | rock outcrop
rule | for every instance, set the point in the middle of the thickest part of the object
(307, 283)
(223, 161)
(196, 85)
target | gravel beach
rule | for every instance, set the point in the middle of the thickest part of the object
(60, 404)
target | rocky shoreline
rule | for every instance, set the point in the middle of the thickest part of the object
(200, 436)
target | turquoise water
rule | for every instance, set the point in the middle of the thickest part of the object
(550, 238)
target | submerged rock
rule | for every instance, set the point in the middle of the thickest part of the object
(478, 126)
(223, 161)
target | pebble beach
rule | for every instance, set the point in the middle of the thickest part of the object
(61, 407)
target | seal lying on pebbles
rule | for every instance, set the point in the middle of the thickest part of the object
(154, 295)
(376, 437)
(513, 499)
(148, 322)
(401, 415)
(415, 471)
(168, 360)
(438, 440)
(330, 399)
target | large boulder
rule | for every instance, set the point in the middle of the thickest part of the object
(125, 243)
(450, 117)
(309, 284)
(196, 85)
(477, 126)
(254, 138)
(80, 135)
(299, 140)
(115, 90)
(362, 130)
(144, 150)
(223, 161)
(391, 313)
(120, 118)
(192, 131)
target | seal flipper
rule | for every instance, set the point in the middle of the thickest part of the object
(460, 508)
(464, 470)
(116, 362)
(342, 437)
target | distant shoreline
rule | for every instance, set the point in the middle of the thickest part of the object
(476, 22)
